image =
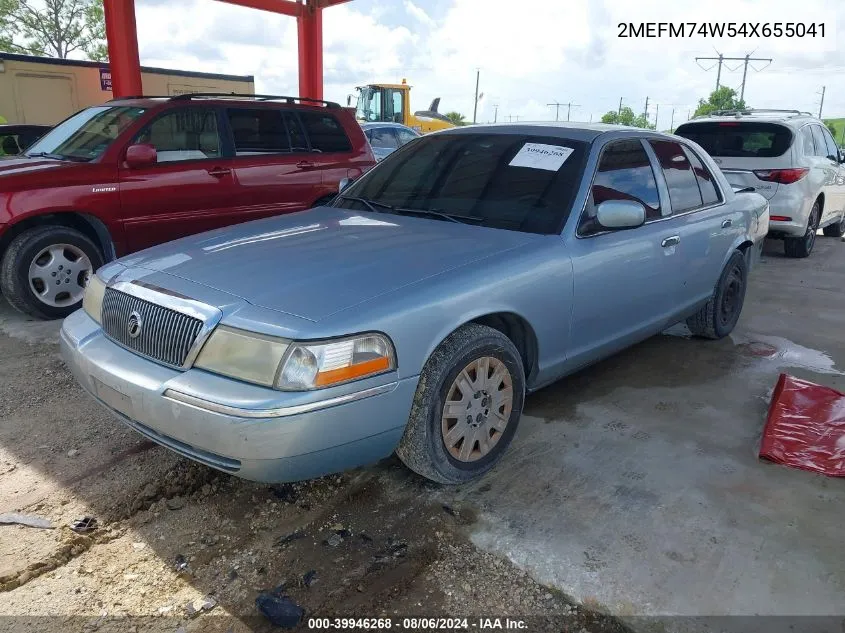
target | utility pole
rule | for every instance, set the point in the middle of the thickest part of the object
(672, 124)
(656, 115)
(619, 111)
(721, 59)
(821, 103)
(475, 106)
(645, 110)
(495, 112)
(744, 73)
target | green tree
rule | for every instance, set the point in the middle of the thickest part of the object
(722, 99)
(832, 127)
(55, 28)
(626, 116)
(456, 117)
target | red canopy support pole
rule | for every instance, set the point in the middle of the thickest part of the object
(310, 31)
(122, 36)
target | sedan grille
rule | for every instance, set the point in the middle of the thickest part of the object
(149, 329)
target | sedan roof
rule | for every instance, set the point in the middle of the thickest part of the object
(586, 132)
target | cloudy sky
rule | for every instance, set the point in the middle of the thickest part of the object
(529, 53)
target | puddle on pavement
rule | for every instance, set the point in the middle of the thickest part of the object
(784, 353)
(674, 359)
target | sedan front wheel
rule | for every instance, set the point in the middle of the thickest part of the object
(466, 408)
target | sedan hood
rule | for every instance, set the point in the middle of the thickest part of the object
(318, 262)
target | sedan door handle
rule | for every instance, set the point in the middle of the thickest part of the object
(305, 164)
(671, 241)
(219, 172)
(726, 223)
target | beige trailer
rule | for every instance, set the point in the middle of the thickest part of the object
(45, 90)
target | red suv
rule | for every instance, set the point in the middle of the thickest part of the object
(116, 178)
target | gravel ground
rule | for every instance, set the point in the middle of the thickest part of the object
(181, 547)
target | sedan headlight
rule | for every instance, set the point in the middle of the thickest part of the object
(325, 364)
(244, 355)
(92, 301)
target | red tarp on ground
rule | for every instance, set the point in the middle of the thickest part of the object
(806, 427)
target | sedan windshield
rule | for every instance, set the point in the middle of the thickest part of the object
(508, 181)
(87, 134)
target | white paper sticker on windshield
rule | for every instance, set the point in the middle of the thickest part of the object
(540, 156)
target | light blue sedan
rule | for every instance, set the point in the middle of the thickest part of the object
(413, 315)
(386, 138)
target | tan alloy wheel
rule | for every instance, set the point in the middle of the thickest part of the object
(477, 409)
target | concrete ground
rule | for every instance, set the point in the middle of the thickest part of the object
(636, 484)
(633, 486)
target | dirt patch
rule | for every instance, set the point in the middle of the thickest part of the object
(180, 545)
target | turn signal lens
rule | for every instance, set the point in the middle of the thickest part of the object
(318, 365)
(92, 301)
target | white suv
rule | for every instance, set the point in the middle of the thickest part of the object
(787, 156)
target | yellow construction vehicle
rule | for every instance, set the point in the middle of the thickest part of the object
(392, 103)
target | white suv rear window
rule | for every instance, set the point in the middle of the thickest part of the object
(746, 139)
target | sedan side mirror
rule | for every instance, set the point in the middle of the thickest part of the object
(620, 214)
(141, 155)
(344, 183)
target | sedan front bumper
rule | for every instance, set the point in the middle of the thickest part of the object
(249, 431)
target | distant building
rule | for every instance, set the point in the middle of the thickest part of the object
(46, 90)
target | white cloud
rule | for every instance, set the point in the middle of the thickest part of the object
(556, 51)
(419, 14)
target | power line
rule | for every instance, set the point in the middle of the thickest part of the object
(720, 61)
(568, 105)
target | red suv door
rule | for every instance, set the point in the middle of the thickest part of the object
(274, 168)
(189, 189)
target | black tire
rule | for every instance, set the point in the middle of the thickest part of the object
(422, 447)
(22, 251)
(800, 247)
(719, 315)
(835, 230)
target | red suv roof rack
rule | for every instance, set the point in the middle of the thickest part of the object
(231, 95)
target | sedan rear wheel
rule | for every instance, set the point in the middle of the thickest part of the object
(467, 406)
(719, 315)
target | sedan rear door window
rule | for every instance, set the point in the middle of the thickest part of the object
(706, 182)
(383, 137)
(683, 187)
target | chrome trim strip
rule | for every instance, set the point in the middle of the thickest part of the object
(280, 412)
(208, 315)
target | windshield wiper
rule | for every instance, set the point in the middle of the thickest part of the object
(47, 155)
(367, 203)
(432, 213)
